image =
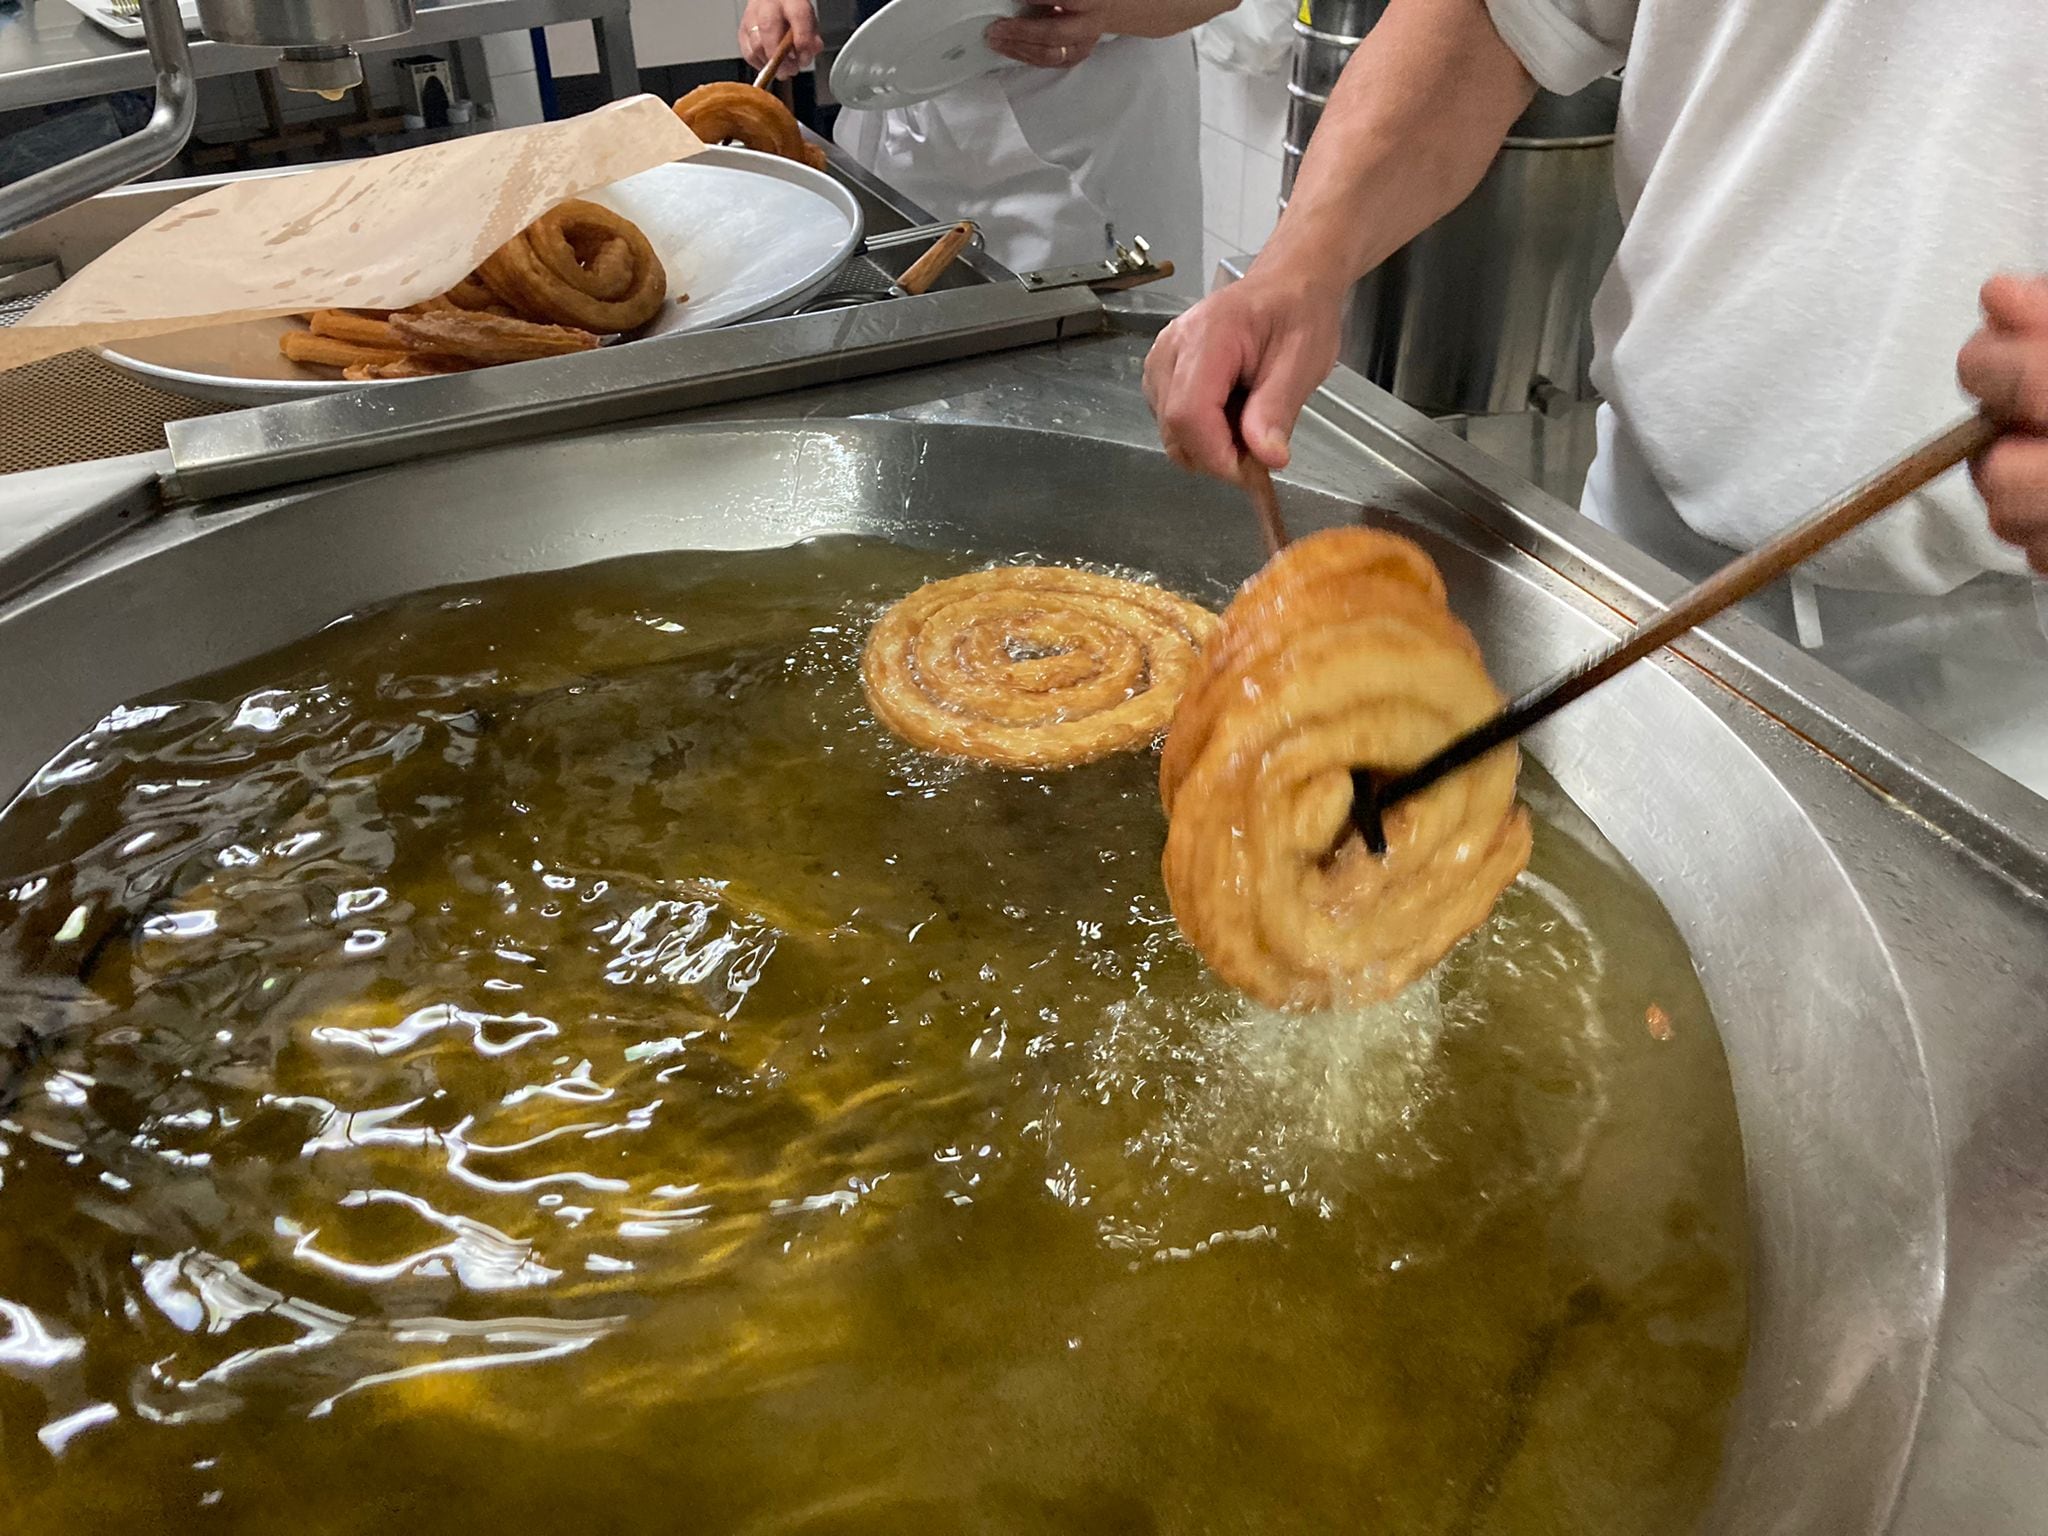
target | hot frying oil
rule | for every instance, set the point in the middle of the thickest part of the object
(538, 1057)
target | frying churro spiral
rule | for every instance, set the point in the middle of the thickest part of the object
(1032, 666)
(1341, 653)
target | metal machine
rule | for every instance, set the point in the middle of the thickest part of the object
(1485, 313)
(1867, 906)
(317, 37)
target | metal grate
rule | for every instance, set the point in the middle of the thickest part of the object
(861, 274)
(78, 407)
(12, 310)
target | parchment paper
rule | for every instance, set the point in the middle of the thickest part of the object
(367, 234)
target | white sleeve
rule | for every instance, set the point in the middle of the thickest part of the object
(1566, 44)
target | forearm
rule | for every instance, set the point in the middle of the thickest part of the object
(1416, 119)
(1168, 18)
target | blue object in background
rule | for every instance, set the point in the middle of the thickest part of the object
(544, 75)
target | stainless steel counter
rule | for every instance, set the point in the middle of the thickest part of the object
(49, 53)
(1867, 906)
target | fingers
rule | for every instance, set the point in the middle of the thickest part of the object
(2005, 365)
(1191, 387)
(2013, 477)
(762, 29)
(1294, 369)
(1046, 38)
(2013, 303)
(1277, 338)
(1052, 56)
(803, 24)
(2009, 373)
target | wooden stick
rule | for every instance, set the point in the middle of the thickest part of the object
(1739, 578)
(1254, 477)
(774, 65)
(1257, 481)
(927, 268)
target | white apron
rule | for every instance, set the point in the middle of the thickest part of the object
(1971, 664)
(1057, 165)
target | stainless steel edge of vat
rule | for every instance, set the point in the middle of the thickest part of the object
(1878, 985)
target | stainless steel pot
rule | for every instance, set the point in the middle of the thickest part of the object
(1877, 983)
(1486, 313)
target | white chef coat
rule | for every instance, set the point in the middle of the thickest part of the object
(1057, 165)
(1814, 191)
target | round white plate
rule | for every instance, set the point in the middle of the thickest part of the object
(911, 50)
(745, 235)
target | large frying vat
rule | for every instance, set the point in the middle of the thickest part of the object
(1878, 984)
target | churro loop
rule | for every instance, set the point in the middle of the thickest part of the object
(1032, 666)
(1340, 654)
(1328, 576)
(471, 293)
(483, 338)
(579, 265)
(731, 111)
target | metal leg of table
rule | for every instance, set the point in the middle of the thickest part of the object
(615, 61)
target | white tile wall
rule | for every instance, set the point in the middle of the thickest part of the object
(664, 32)
(1244, 120)
(516, 98)
(515, 81)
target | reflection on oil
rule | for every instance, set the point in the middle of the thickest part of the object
(537, 1057)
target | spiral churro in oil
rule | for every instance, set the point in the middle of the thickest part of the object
(541, 1056)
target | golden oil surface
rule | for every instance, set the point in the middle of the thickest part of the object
(538, 1057)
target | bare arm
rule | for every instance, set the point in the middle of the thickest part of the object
(1413, 124)
(1062, 36)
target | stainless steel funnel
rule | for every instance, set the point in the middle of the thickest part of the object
(317, 36)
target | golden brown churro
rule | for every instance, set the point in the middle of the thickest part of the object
(362, 329)
(482, 338)
(1032, 666)
(577, 272)
(331, 352)
(730, 110)
(579, 265)
(1341, 653)
(413, 365)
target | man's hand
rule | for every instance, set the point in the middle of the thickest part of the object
(763, 25)
(1274, 332)
(1047, 37)
(1061, 36)
(2005, 365)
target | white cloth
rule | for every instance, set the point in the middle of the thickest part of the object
(1971, 663)
(1253, 37)
(1814, 190)
(1057, 165)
